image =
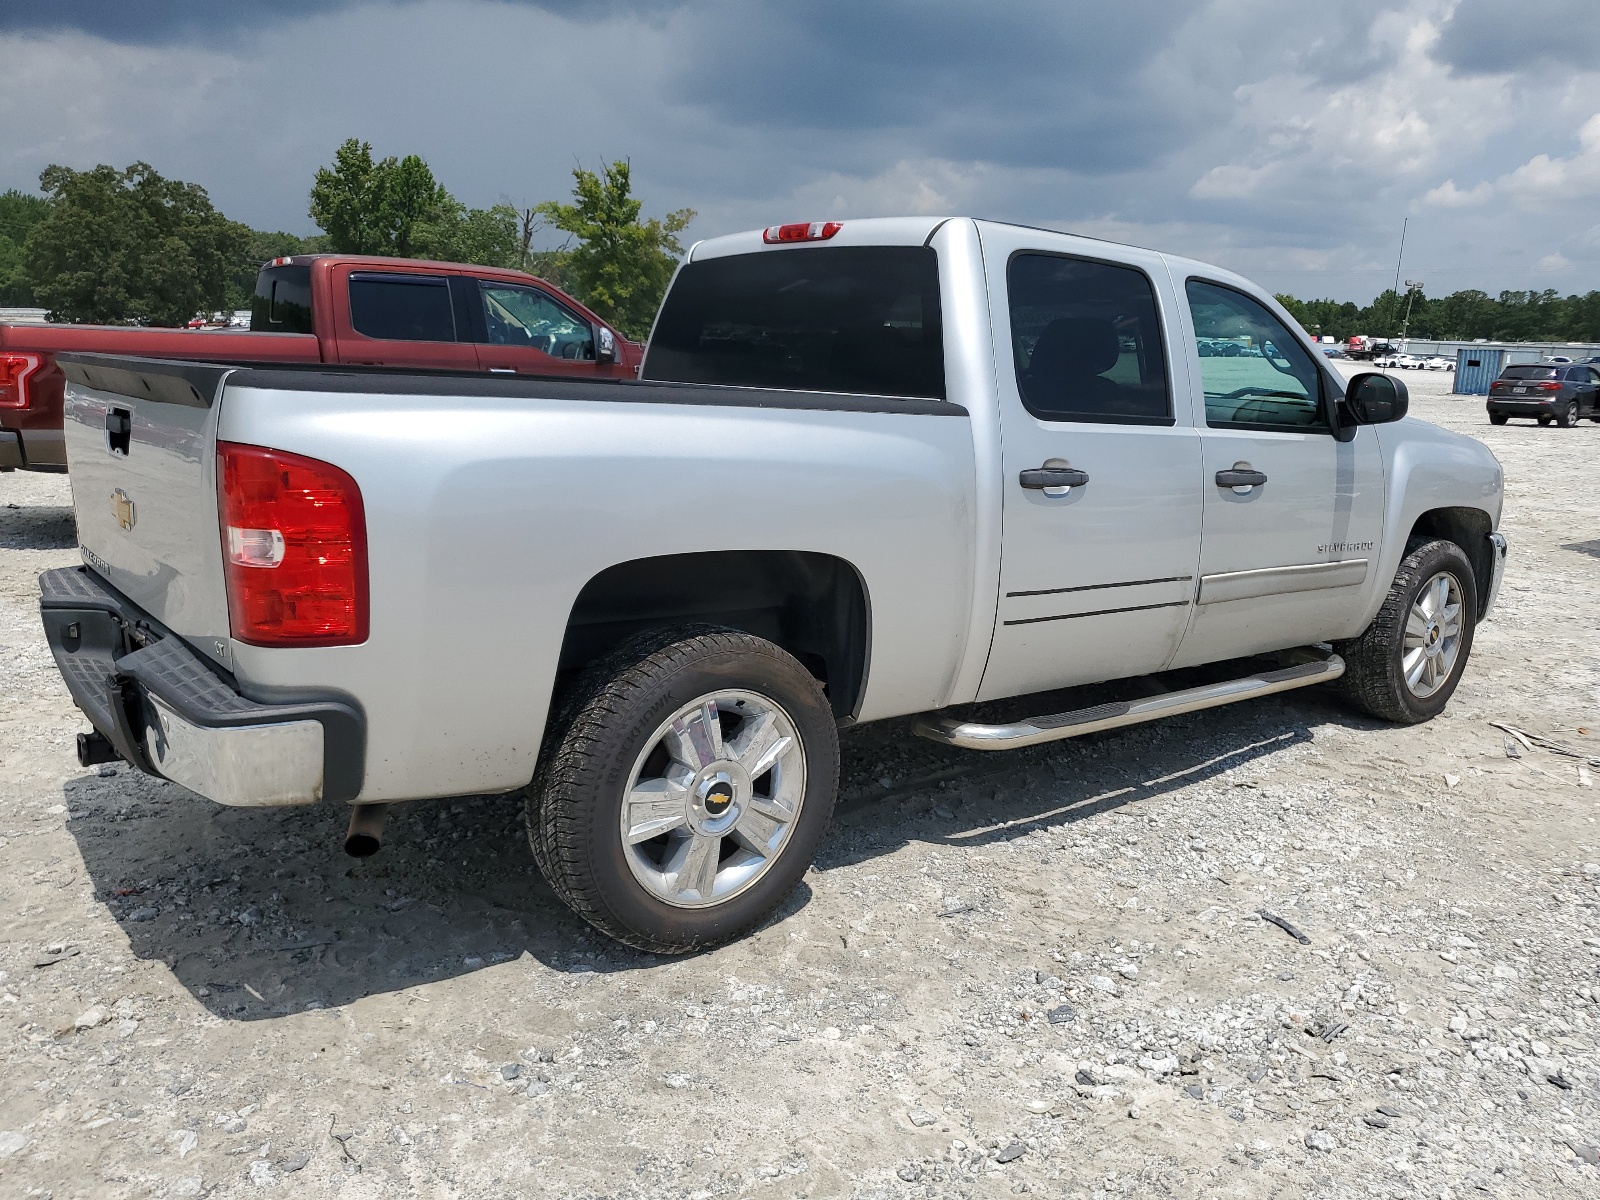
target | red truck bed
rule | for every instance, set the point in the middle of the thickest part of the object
(334, 309)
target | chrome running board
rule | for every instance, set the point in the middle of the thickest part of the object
(971, 735)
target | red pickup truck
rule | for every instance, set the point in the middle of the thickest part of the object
(396, 312)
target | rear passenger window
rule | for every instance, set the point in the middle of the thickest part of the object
(402, 308)
(1086, 341)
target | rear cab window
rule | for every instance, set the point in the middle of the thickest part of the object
(853, 319)
(402, 307)
(1531, 372)
(282, 302)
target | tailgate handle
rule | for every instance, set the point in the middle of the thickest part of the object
(119, 430)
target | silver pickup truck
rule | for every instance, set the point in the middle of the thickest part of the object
(871, 469)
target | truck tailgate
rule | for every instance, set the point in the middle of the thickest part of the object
(141, 449)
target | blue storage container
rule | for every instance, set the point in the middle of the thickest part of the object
(1476, 368)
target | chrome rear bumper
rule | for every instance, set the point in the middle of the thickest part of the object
(168, 713)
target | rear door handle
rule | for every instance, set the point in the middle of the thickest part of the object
(1240, 479)
(1044, 478)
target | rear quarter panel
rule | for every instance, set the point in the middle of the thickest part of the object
(486, 516)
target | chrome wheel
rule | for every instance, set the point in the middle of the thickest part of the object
(1432, 642)
(712, 799)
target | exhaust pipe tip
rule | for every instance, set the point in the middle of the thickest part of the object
(364, 838)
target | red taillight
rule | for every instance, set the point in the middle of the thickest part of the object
(15, 371)
(294, 547)
(1550, 387)
(815, 231)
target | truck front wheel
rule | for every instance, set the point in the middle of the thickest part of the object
(1405, 666)
(684, 788)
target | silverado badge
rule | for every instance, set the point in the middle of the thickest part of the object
(122, 510)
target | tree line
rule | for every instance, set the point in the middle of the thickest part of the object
(1461, 316)
(110, 246)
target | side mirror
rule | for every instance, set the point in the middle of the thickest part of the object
(1374, 399)
(605, 345)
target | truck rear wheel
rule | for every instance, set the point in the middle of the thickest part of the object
(684, 789)
(1405, 666)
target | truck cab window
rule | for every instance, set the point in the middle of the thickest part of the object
(861, 319)
(282, 303)
(410, 308)
(1086, 341)
(524, 316)
(1256, 374)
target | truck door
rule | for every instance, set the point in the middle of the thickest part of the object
(1293, 515)
(527, 331)
(1102, 502)
(403, 319)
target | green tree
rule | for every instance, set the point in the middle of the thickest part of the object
(129, 245)
(395, 206)
(19, 213)
(622, 265)
(486, 236)
(349, 201)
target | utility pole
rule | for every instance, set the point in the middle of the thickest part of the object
(1413, 286)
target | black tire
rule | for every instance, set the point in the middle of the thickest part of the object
(1568, 416)
(1498, 418)
(574, 809)
(1544, 421)
(1374, 679)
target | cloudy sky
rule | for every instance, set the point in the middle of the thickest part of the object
(1286, 140)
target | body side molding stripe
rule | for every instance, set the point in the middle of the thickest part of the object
(1095, 587)
(1100, 612)
(1275, 581)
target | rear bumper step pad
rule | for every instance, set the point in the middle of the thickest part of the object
(169, 714)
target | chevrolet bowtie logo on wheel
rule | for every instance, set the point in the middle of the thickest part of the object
(122, 510)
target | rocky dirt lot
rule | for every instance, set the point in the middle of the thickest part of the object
(1041, 973)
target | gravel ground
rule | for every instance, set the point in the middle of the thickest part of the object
(1042, 972)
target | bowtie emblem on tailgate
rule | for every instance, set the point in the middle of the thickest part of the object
(122, 510)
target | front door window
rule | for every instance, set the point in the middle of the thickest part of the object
(1256, 374)
(527, 318)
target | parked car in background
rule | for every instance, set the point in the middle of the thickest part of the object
(1439, 362)
(871, 469)
(1546, 392)
(391, 312)
(1333, 352)
(1388, 360)
(1409, 362)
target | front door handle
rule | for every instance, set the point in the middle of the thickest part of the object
(1240, 478)
(1044, 478)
